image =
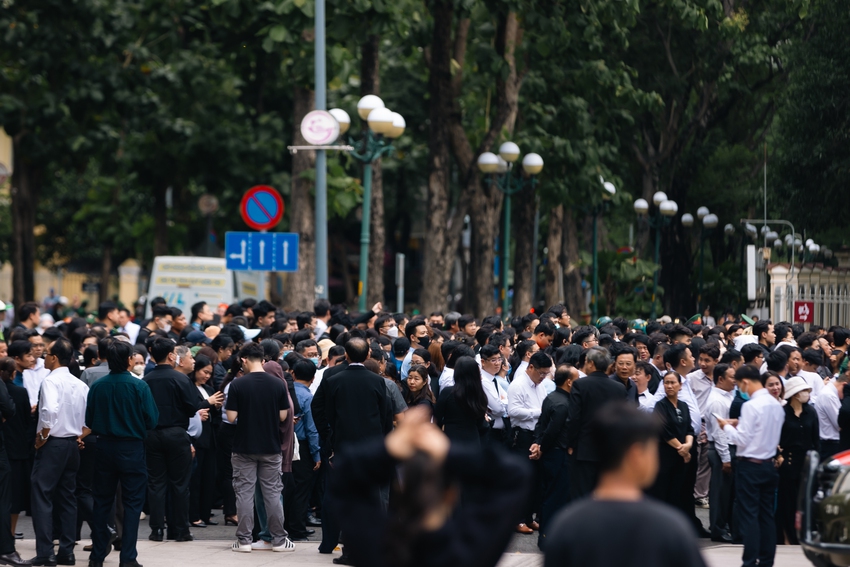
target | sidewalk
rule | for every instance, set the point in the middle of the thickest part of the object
(212, 553)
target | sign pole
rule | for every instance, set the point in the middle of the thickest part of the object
(321, 228)
(364, 236)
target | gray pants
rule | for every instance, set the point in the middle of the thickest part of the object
(720, 495)
(247, 471)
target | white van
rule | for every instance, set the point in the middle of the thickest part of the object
(186, 280)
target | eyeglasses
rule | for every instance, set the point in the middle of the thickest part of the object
(495, 360)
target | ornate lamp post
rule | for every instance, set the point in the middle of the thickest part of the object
(382, 125)
(665, 210)
(709, 222)
(608, 191)
(498, 171)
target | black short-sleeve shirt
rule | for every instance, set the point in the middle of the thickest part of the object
(259, 398)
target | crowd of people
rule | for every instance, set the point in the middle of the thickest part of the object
(398, 434)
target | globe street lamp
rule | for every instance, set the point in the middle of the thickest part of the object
(381, 125)
(498, 172)
(607, 193)
(709, 222)
(665, 210)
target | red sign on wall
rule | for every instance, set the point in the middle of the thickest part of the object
(804, 311)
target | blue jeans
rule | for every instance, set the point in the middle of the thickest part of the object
(755, 492)
(118, 461)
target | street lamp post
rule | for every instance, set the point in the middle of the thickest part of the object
(498, 170)
(709, 221)
(609, 191)
(665, 210)
(381, 124)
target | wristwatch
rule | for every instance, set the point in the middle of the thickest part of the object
(42, 437)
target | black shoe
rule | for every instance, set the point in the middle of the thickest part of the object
(130, 564)
(19, 535)
(310, 532)
(343, 560)
(95, 563)
(49, 560)
(724, 538)
(314, 521)
(66, 559)
(198, 524)
(117, 544)
(211, 523)
(13, 559)
(184, 537)
(156, 535)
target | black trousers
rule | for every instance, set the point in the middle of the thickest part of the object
(296, 500)
(829, 447)
(169, 457)
(118, 461)
(523, 440)
(687, 497)
(224, 468)
(554, 489)
(786, 508)
(202, 485)
(54, 475)
(583, 477)
(755, 495)
(7, 541)
(84, 481)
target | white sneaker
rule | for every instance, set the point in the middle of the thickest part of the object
(287, 545)
(262, 545)
(241, 547)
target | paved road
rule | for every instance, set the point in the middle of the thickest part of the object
(212, 549)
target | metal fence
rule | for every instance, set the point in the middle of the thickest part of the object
(831, 301)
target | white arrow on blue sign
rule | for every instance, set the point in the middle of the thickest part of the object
(261, 251)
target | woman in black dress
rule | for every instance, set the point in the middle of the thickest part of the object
(418, 390)
(202, 484)
(800, 434)
(674, 448)
(461, 408)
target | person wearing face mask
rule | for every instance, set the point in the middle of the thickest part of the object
(800, 434)
(309, 349)
(416, 332)
(161, 320)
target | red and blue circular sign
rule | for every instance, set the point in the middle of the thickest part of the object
(261, 207)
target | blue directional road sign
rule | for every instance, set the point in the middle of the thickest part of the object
(261, 251)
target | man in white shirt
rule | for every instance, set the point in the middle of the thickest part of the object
(827, 408)
(125, 324)
(720, 495)
(322, 310)
(702, 383)
(646, 399)
(497, 396)
(525, 403)
(33, 377)
(61, 426)
(756, 436)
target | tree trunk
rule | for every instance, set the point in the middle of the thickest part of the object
(439, 253)
(524, 205)
(370, 83)
(26, 182)
(299, 287)
(677, 258)
(485, 209)
(160, 215)
(555, 256)
(574, 296)
(105, 270)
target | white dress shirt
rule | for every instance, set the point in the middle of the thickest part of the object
(196, 426)
(132, 330)
(814, 380)
(33, 377)
(701, 386)
(827, 410)
(759, 427)
(447, 378)
(718, 403)
(647, 401)
(497, 399)
(525, 401)
(320, 373)
(62, 404)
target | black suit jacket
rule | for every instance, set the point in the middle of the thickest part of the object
(654, 379)
(351, 406)
(587, 395)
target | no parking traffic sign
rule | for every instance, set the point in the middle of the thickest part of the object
(261, 207)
